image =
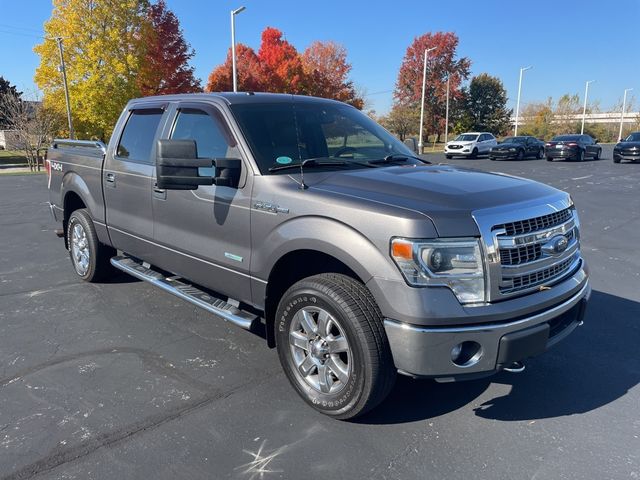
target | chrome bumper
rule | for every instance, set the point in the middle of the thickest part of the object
(426, 351)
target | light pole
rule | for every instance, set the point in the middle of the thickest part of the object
(624, 106)
(233, 45)
(446, 116)
(63, 70)
(584, 108)
(424, 82)
(522, 70)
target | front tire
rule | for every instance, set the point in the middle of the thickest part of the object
(448, 157)
(89, 257)
(580, 156)
(598, 154)
(549, 159)
(474, 154)
(332, 345)
(540, 154)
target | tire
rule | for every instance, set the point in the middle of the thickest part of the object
(520, 155)
(549, 159)
(598, 154)
(448, 157)
(491, 158)
(361, 364)
(474, 154)
(580, 157)
(540, 154)
(616, 160)
(89, 257)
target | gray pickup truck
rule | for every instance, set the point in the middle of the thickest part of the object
(303, 218)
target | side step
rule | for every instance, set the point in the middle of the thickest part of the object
(185, 291)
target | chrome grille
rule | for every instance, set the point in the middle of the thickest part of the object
(535, 224)
(539, 277)
(516, 256)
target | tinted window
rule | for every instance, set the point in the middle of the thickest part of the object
(285, 133)
(634, 137)
(466, 137)
(212, 140)
(567, 138)
(137, 138)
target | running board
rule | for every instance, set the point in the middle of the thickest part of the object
(185, 291)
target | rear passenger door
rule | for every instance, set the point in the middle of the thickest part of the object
(127, 180)
(205, 234)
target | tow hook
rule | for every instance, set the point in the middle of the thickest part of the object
(515, 367)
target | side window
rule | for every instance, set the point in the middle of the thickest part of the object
(483, 138)
(212, 139)
(136, 141)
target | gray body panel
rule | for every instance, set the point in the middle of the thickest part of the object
(229, 239)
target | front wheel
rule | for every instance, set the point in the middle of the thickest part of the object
(549, 159)
(540, 154)
(332, 345)
(448, 157)
(580, 156)
(474, 154)
(598, 154)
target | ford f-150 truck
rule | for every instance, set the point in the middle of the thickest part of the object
(303, 217)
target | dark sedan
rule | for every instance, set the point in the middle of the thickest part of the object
(517, 148)
(627, 149)
(575, 147)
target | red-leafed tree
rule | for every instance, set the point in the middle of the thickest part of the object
(248, 70)
(327, 73)
(442, 62)
(165, 68)
(281, 63)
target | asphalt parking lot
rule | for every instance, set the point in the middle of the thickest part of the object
(120, 380)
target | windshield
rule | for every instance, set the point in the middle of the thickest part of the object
(466, 137)
(566, 138)
(634, 137)
(515, 140)
(288, 133)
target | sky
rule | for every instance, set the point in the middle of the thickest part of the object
(566, 41)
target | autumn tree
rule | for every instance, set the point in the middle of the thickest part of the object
(327, 73)
(103, 44)
(442, 63)
(165, 66)
(281, 63)
(484, 104)
(248, 70)
(537, 120)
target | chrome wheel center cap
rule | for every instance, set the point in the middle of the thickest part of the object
(319, 349)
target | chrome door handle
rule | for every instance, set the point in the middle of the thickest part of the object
(111, 177)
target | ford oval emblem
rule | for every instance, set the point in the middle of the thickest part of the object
(556, 245)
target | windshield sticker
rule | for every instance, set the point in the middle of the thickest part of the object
(284, 160)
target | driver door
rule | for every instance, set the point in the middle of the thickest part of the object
(205, 233)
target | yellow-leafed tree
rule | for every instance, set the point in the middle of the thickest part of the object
(103, 48)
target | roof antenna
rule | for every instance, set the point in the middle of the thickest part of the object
(302, 186)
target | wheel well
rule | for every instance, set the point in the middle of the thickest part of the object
(72, 202)
(291, 268)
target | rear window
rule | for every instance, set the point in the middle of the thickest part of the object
(567, 138)
(136, 141)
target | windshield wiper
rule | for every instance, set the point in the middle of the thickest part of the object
(397, 157)
(318, 162)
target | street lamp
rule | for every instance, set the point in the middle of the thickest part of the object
(446, 116)
(63, 70)
(584, 108)
(424, 82)
(624, 106)
(522, 70)
(233, 45)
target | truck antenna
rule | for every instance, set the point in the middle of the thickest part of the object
(295, 119)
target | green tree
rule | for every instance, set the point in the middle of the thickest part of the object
(538, 120)
(6, 90)
(104, 44)
(402, 120)
(484, 105)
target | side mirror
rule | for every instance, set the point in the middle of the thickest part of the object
(595, 140)
(412, 144)
(177, 167)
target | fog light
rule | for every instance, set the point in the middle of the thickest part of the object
(466, 354)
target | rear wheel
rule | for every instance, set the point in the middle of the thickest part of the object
(332, 345)
(90, 258)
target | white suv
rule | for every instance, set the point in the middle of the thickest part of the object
(470, 144)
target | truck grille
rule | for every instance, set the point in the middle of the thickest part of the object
(527, 259)
(534, 224)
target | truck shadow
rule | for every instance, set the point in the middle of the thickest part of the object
(594, 366)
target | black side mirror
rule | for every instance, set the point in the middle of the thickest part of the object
(595, 140)
(177, 166)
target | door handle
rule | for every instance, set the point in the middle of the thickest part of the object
(111, 177)
(159, 192)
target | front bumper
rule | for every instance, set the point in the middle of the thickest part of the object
(503, 154)
(426, 351)
(632, 156)
(461, 152)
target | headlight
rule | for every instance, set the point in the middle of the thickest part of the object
(453, 262)
(512, 149)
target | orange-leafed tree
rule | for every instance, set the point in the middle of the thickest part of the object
(248, 70)
(281, 63)
(165, 67)
(326, 72)
(442, 62)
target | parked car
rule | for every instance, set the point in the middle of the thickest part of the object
(627, 149)
(575, 147)
(304, 218)
(517, 148)
(470, 145)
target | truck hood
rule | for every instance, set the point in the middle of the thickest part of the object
(447, 195)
